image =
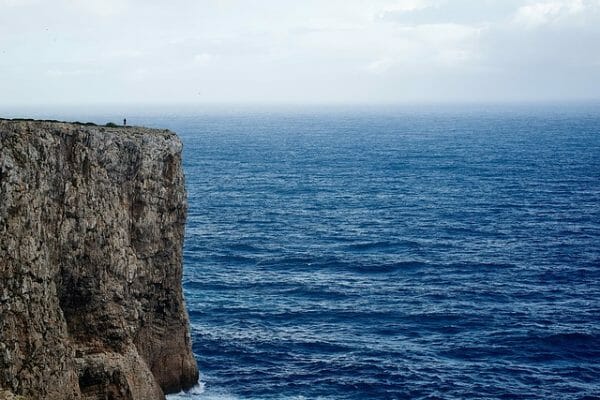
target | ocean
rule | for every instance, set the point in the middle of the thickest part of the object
(394, 252)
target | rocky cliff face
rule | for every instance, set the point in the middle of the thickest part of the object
(91, 231)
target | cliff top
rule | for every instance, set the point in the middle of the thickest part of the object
(86, 126)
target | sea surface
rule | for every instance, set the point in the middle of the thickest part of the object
(393, 253)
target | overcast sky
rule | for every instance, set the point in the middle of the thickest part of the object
(297, 51)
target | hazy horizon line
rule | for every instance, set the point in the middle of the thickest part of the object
(285, 104)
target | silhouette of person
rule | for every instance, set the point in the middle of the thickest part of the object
(124, 121)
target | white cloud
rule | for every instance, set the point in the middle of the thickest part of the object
(430, 47)
(382, 65)
(541, 13)
(405, 6)
(203, 59)
(61, 73)
(102, 8)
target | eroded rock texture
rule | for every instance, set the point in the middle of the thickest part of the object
(91, 232)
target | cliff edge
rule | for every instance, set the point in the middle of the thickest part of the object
(91, 231)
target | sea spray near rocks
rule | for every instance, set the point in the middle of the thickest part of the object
(91, 231)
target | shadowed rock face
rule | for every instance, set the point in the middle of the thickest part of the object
(91, 232)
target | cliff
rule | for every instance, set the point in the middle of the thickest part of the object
(91, 231)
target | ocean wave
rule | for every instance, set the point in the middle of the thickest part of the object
(360, 256)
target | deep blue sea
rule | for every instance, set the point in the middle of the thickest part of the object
(393, 253)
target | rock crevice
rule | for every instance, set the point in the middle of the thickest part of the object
(91, 231)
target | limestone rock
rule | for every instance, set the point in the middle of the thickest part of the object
(91, 231)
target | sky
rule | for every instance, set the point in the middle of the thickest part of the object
(298, 51)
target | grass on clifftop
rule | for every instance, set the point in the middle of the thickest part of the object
(108, 124)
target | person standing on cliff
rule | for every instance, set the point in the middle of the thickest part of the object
(124, 121)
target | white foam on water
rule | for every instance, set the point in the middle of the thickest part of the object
(199, 392)
(190, 394)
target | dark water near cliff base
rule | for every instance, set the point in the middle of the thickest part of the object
(394, 253)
